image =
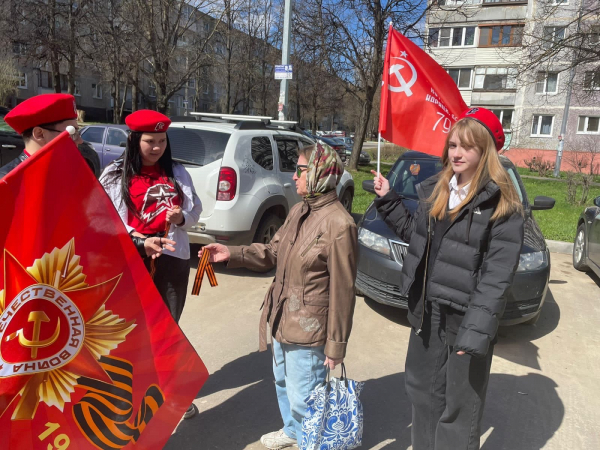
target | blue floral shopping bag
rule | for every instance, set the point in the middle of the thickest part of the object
(334, 415)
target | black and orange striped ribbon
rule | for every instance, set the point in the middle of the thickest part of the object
(104, 413)
(204, 266)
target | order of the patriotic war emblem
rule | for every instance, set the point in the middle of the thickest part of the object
(56, 335)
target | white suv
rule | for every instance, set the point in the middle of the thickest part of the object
(242, 171)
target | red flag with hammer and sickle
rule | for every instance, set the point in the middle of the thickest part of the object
(90, 357)
(419, 100)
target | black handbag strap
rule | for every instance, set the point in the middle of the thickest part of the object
(343, 378)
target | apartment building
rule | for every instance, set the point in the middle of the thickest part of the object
(488, 48)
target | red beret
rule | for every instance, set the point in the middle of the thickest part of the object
(489, 120)
(147, 121)
(41, 109)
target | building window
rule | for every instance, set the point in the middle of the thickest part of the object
(505, 116)
(591, 81)
(452, 37)
(457, 2)
(503, 1)
(542, 125)
(206, 90)
(559, 2)
(587, 124)
(77, 91)
(501, 36)
(552, 36)
(462, 77)
(45, 80)
(22, 79)
(97, 90)
(192, 83)
(495, 78)
(19, 48)
(151, 91)
(546, 83)
(592, 36)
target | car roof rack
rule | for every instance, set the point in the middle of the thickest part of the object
(246, 122)
(231, 117)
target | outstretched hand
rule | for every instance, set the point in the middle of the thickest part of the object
(380, 184)
(218, 252)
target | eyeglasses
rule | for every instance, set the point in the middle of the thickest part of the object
(300, 168)
(74, 136)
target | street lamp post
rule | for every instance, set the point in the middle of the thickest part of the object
(563, 127)
(285, 59)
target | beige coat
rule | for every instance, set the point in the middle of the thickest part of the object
(311, 301)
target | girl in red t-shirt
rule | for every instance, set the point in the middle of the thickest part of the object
(154, 194)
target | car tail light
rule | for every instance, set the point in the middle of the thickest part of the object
(227, 184)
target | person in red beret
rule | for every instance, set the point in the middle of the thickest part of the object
(464, 247)
(157, 202)
(40, 119)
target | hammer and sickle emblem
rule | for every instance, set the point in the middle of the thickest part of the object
(37, 317)
(404, 86)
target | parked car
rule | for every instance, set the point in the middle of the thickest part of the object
(108, 140)
(242, 173)
(586, 250)
(12, 146)
(381, 252)
(363, 158)
(11, 142)
(334, 143)
(348, 140)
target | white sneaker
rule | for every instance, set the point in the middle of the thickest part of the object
(277, 440)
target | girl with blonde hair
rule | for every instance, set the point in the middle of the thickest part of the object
(464, 244)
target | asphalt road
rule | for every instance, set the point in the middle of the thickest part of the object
(543, 394)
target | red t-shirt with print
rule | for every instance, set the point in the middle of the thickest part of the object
(153, 195)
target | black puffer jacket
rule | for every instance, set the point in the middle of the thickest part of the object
(473, 268)
(4, 170)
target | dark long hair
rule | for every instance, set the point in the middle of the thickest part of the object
(130, 164)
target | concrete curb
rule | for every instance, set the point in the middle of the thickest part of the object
(560, 247)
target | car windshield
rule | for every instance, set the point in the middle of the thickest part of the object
(200, 147)
(409, 172)
(515, 179)
(4, 127)
(405, 176)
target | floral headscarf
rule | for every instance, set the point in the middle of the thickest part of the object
(325, 170)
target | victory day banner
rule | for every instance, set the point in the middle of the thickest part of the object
(90, 357)
(419, 100)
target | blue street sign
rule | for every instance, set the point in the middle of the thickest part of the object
(283, 72)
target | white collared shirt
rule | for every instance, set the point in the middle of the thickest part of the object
(457, 195)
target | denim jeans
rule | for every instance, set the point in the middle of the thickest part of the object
(298, 370)
(447, 391)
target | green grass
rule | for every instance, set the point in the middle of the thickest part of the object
(362, 198)
(562, 174)
(559, 223)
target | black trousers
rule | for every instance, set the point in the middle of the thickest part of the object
(447, 391)
(171, 279)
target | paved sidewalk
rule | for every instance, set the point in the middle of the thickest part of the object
(544, 391)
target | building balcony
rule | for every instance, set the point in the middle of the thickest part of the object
(494, 98)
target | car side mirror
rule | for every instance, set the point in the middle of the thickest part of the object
(542, 202)
(369, 186)
(123, 144)
(597, 201)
